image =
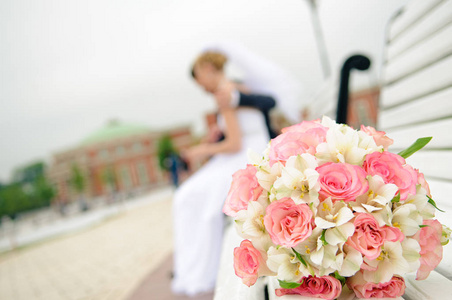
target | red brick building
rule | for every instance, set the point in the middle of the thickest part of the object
(363, 107)
(119, 157)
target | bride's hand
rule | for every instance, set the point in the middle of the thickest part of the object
(196, 153)
(214, 134)
(223, 94)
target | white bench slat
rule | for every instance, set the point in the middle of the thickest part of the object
(435, 47)
(416, 102)
(445, 266)
(434, 287)
(439, 130)
(441, 191)
(436, 164)
(429, 80)
(411, 13)
(434, 106)
(435, 20)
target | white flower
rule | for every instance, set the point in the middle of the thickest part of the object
(339, 234)
(344, 144)
(328, 122)
(327, 259)
(256, 159)
(352, 261)
(331, 215)
(376, 201)
(324, 257)
(411, 213)
(407, 218)
(312, 243)
(411, 250)
(319, 255)
(267, 175)
(334, 218)
(391, 261)
(425, 209)
(250, 224)
(299, 180)
(284, 262)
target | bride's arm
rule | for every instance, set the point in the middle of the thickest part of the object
(230, 144)
(233, 134)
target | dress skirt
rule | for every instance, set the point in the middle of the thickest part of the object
(198, 220)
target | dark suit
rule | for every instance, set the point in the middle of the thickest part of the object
(261, 102)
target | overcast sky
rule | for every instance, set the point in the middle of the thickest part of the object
(68, 66)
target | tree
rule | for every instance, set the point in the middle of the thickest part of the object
(109, 178)
(78, 183)
(29, 173)
(29, 190)
(165, 148)
(43, 191)
(77, 180)
(13, 200)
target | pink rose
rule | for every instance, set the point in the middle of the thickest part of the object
(429, 239)
(421, 180)
(325, 287)
(341, 181)
(380, 137)
(244, 188)
(393, 169)
(247, 262)
(288, 223)
(294, 143)
(369, 236)
(305, 126)
(392, 289)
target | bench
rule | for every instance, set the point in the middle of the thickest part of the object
(416, 101)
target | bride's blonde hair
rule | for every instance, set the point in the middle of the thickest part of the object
(216, 59)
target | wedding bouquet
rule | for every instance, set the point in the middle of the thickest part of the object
(327, 206)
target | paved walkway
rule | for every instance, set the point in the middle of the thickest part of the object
(156, 286)
(107, 261)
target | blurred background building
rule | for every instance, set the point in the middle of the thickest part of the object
(118, 158)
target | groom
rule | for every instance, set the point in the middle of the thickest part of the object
(229, 95)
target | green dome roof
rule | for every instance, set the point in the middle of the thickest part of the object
(114, 130)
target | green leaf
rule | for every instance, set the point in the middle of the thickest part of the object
(418, 145)
(422, 226)
(289, 285)
(339, 277)
(430, 200)
(396, 199)
(300, 258)
(322, 237)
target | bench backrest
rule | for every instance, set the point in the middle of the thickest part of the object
(416, 96)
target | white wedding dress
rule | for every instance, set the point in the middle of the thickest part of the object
(197, 210)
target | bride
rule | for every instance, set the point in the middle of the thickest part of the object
(197, 207)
